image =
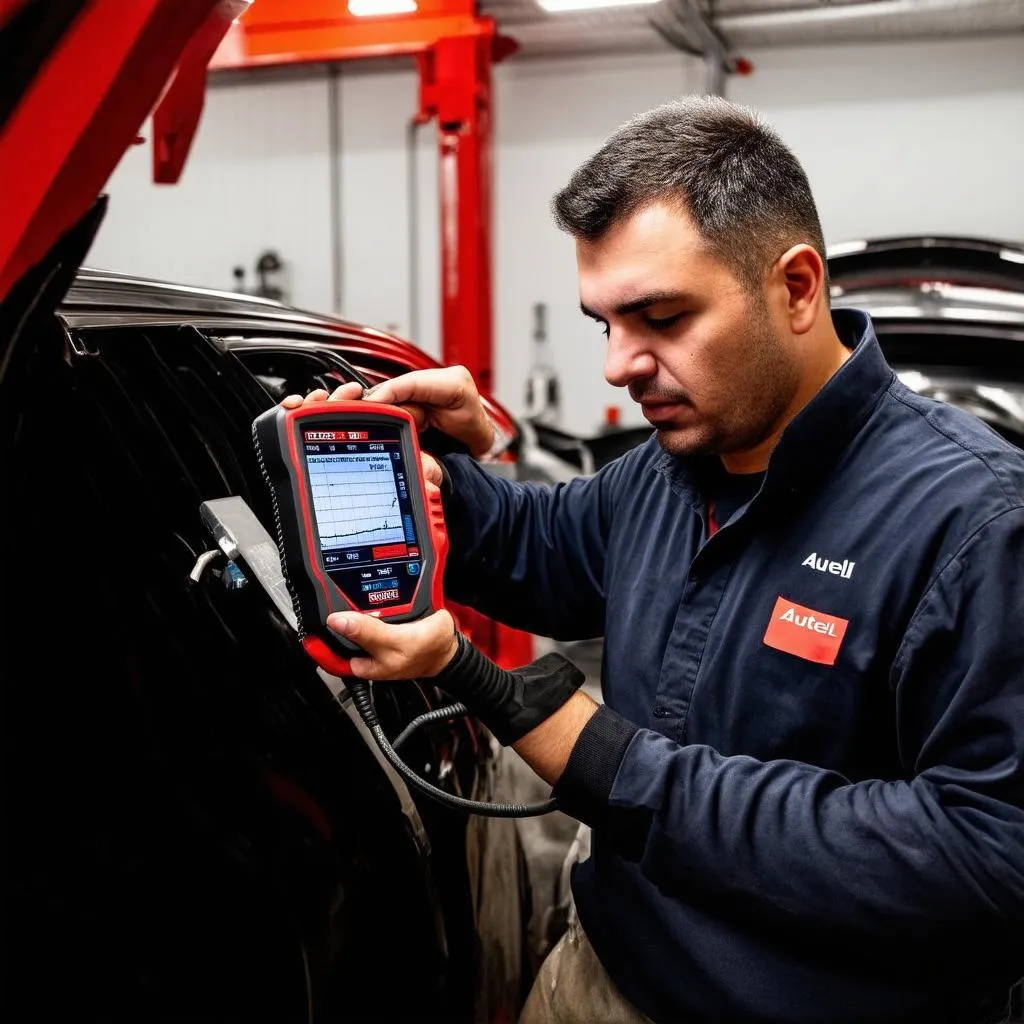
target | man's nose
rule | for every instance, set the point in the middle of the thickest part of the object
(626, 361)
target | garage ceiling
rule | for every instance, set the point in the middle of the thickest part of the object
(748, 24)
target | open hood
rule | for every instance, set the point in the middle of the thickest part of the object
(78, 79)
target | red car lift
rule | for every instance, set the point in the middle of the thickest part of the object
(454, 50)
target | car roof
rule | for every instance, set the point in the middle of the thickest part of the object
(102, 298)
(95, 294)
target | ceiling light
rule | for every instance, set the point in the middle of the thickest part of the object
(376, 8)
(558, 6)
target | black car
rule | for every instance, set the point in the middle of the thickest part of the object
(197, 825)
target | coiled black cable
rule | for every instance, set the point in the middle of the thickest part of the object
(362, 697)
(437, 715)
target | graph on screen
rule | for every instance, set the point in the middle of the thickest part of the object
(355, 500)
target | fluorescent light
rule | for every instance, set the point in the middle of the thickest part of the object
(558, 6)
(372, 8)
(1012, 256)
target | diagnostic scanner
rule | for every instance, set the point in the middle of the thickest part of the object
(356, 530)
(356, 526)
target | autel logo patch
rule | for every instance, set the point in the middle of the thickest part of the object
(815, 636)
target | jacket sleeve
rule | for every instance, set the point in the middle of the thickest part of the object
(528, 555)
(941, 852)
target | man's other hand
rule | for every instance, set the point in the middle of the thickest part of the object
(445, 398)
(350, 392)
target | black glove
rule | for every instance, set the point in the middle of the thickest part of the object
(510, 704)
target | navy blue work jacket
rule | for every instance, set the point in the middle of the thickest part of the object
(807, 781)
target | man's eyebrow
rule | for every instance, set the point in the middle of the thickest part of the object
(641, 302)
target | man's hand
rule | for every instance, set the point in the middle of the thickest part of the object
(537, 709)
(445, 398)
(407, 650)
(352, 392)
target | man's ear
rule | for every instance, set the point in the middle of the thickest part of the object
(800, 271)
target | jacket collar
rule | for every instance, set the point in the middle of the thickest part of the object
(813, 441)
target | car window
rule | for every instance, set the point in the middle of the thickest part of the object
(291, 367)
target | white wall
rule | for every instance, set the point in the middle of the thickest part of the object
(257, 178)
(895, 138)
(375, 112)
(900, 138)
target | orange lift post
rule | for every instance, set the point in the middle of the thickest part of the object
(454, 50)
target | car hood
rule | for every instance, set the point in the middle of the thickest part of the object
(85, 75)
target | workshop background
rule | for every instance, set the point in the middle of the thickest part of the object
(908, 117)
(211, 825)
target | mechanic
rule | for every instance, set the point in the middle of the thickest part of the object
(805, 783)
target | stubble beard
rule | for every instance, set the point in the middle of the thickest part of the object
(754, 405)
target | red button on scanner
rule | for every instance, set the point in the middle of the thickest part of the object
(390, 551)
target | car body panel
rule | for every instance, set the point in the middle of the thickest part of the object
(949, 314)
(918, 259)
(193, 808)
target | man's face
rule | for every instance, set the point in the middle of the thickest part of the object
(714, 372)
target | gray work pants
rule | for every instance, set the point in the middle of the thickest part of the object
(573, 988)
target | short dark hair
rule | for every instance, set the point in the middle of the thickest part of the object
(742, 186)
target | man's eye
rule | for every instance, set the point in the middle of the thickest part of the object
(664, 323)
(602, 327)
